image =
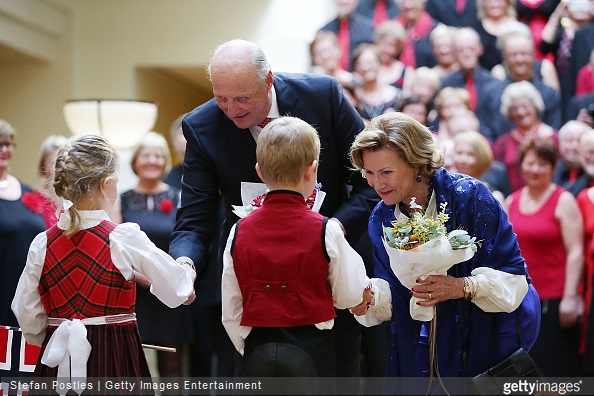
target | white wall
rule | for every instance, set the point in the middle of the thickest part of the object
(104, 43)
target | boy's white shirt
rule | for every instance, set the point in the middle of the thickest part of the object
(131, 250)
(346, 277)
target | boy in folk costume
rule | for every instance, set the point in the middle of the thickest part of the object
(286, 267)
(76, 295)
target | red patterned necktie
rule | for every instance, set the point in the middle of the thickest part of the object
(380, 13)
(265, 122)
(345, 43)
(471, 88)
(460, 5)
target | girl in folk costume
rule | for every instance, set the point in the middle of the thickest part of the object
(76, 295)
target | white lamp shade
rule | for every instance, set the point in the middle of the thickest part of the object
(122, 122)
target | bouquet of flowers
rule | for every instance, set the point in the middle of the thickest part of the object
(254, 194)
(420, 246)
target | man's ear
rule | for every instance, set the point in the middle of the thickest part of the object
(259, 172)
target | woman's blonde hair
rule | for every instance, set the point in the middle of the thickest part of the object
(481, 149)
(80, 167)
(445, 93)
(152, 140)
(285, 148)
(410, 140)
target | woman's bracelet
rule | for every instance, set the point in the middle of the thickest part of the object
(470, 287)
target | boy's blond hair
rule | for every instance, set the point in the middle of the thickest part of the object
(285, 148)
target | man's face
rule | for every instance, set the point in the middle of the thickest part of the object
(468, 50)
(519, 56)
(569, 143)
(239, 93)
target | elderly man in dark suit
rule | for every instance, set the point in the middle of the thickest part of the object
(221, 154)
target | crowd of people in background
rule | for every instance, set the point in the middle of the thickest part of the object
(507, 89)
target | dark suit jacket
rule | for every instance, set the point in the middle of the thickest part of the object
(582, 46)
(444, 11)
(497, 179)
(367, 8)
(482, 78)
(561, 178)
(360, 31)
(577, 103)
(219, 156)
(498, 124)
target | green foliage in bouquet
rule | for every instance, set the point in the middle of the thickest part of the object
(420, 229)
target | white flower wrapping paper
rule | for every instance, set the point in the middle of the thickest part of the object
(435, 257)
(251, 191)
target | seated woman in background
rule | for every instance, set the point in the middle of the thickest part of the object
(325, 54)
(389, 37)
(442, 42)
(425, 83)
(416, 107)
(47, 153)
(522, 104)
(448, 102)
(473, 156)
(373, 97)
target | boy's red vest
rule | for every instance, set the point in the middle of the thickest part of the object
(280, 260)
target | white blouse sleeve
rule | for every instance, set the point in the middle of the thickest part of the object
(346, 271)
(27, 305)
(131, 250)
(381, 308)
(232, 301)
(499, 291)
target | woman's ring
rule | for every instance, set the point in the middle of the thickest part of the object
(429, 296)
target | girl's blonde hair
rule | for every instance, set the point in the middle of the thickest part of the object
(80, 166)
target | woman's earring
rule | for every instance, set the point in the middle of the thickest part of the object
(419, 177)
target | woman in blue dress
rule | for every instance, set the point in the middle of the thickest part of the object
(152, 204)
(478, 302)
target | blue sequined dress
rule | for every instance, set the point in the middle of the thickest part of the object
(469, 340)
